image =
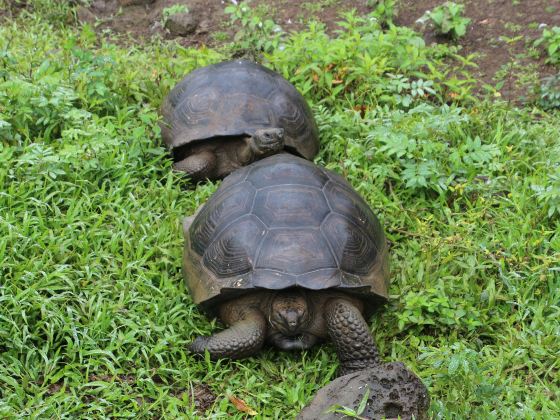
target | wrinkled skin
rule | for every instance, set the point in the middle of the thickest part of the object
(294, 319)
(218, 157)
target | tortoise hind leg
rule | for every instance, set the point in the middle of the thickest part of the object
(351, 336)
(198, 166)
(243, 338)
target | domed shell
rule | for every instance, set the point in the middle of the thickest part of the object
(236, 98)
(284, 222)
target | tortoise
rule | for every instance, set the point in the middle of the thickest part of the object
(286, 252)
(225, 116)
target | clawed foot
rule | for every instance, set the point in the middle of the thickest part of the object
(199, 345)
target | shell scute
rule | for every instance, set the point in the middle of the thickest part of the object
(221, 210)
(349, 204)
(295, 251)
(232, 253)
(285, 172)
(355, 252)
(291, 206)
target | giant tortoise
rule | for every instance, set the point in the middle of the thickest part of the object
(227, 115)
(286, 252)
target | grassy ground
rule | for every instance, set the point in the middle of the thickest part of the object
(94, 317)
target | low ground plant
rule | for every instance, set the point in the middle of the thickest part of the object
(549, 92)
(550, 39)
(94, 316)
(255, 32)
(448, 19)
(384, 10)
(173, 10)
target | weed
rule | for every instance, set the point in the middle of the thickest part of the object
(351, 412)
(384, 10)
(173, 10)
(550, 39)
(255, 34)
(317, 6)
(550, 92)
(364, 65)
(447, 19)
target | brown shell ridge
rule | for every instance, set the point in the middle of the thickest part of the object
(328, 242)
(232, 253)
(261, 242)
(291, 184)
(358, 227)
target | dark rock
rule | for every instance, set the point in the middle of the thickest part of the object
(84, 15)
(102, 5)
(393, 391)
(125, 3)
(181, 24)
(204, 27)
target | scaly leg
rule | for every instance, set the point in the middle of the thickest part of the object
(351, 337)
(243, 338)
(198, 166)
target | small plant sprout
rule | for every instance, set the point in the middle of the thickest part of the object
(351, 412)
(384, 10)
(447, 19)
(550, 92)
(255, 33)
(173, 10)
(550, 39)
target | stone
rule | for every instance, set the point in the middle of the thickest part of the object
(126, 3)
(393, 391)
(102, 5)
(181, 24)
(84, 15)
(204, 26)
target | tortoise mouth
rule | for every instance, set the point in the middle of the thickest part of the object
(296, 335)
(284, 330)
(296, 341)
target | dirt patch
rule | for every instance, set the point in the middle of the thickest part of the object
(142, 19)
(203, 397)
(145, 18)
(501, 34)
(295, 15)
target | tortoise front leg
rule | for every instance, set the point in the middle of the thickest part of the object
(351, 337)
(243, 338)
(198, 166)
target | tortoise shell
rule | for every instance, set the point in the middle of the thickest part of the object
(235, 98)
(284, 222)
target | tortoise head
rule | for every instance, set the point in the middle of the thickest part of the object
(289, 313)
(267, 141)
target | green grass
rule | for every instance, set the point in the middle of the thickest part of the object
(94, 316)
